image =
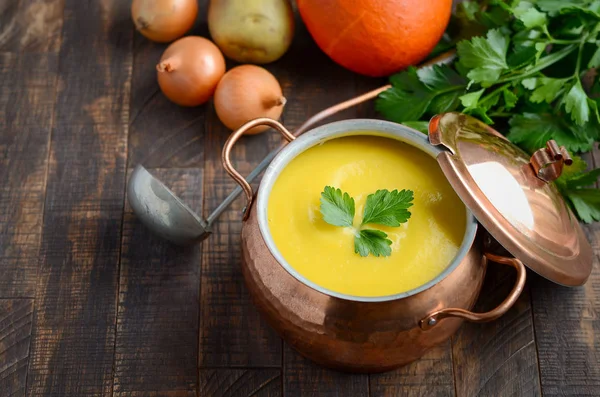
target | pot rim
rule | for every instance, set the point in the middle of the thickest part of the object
(338, 129)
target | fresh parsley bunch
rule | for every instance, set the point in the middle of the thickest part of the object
(528, 65)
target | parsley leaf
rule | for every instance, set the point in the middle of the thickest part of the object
(422, 126)
(510, 99)
(545, 89)
(388, 208)
(590, 8)
(486, 57)
(594, 61)
(369, 241)
(529, 15)
(583, 180)
(577, 168)
(532, 130)
(576, 104)
(382, 207)
(586, 203)
(522, 55)
(445, 84)
(573, 184)
(470, 100)
(337, 207)
(469, 8)
(431, 90)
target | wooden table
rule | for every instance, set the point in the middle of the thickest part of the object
(95, 305)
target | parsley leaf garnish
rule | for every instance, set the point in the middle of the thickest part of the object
(382, 208)
(388, 208)
(373, 242)
(337, 207)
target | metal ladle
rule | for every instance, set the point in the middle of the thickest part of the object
(168, 216)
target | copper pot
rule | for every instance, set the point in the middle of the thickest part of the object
(353, 333)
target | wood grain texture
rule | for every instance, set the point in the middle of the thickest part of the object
(27, 86)
(30, 25)
(429, 376)
(303, 378)
(163, 134)
(567, 329)
(96, 63)
(567, 326)
(156, 349)
(15, 334)
(240, 383)
(73, 339)
(497, 358)
(74, 322)
(231, 330)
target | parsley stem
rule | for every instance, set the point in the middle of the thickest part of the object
(578, 64)
(547, 33)
(542, 64)
(453, 88)
(500, 114)
(556, 41)
(491, 94)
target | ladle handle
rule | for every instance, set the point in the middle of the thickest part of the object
(434, 318)
(226, 155)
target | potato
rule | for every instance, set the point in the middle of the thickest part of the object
(251, 31)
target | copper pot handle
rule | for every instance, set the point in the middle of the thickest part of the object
(434, 318)
(226, 154)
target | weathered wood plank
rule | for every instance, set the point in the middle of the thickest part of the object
(95, 68)
(431, 375)
(27, 86)
(30, 25)
(163, 134)
(240, 382)
(497, 358)
(73, 339)
(15, 334)
(304, 378)
(156, 349)
(231, 331)
(74, 322)
(567, 326)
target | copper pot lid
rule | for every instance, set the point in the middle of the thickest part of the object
(512, 195)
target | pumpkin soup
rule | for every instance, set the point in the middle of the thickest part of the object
(421, 248)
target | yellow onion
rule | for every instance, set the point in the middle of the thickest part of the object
(245, 93)
(164, 20)
(189, 70)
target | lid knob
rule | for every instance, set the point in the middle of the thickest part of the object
(548, 162)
